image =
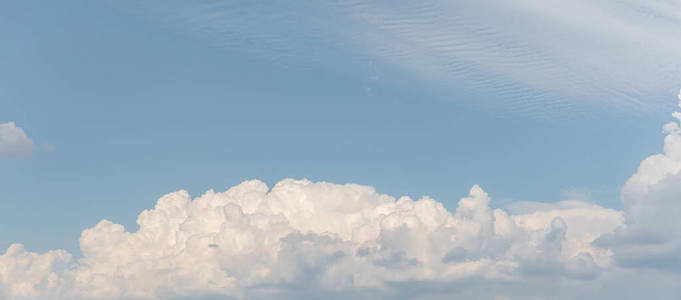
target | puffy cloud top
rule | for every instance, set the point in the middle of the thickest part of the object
(303, 239)
(651, 236)
(250, 241)
(14, 142)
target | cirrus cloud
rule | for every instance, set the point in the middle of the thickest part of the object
(544, 58)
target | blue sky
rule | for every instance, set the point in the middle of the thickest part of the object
(137, 110)
(127, 102)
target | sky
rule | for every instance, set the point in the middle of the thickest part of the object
(339, 149)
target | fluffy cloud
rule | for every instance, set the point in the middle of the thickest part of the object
(14, 142)
(251, 241)
(302, 239)
(651, 236)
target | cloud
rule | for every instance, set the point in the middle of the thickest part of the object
(29, 275)
(651, 235)
(251, 241)
(14, 142)
(544, 58)
(303, 239)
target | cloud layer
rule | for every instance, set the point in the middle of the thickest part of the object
(543, 58)
(317, 239)
(14, 142)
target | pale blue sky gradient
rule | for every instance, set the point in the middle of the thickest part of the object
(136, 108)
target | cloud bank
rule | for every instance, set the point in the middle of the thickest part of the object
(317, 239)
(251, 241)
(14, 142)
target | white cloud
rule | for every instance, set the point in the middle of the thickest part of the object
(251, 241)
(651, 236)
(539, 57)
(14, 142)
(303, 239)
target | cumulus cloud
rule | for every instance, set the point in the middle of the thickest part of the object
(303, 239)
(651, 235)
(14, 142)
(252, 241)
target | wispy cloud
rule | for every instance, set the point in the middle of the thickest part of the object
(547, 58)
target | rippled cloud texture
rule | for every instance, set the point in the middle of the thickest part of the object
(545, 58)
(316, 239)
